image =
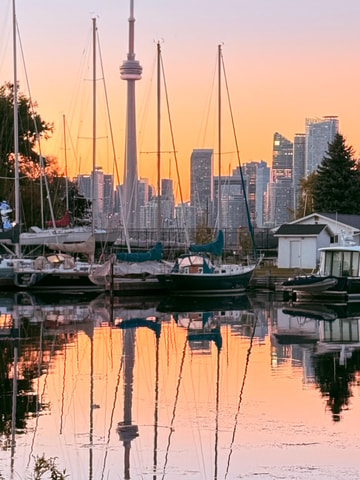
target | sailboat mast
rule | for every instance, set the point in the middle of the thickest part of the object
(66, 170)
(16, 133)
(94, 128)
(158, 141)
(219, 137)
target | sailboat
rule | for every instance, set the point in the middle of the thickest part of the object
(59, 230)
(132, 271)
(61, 269)
(195, 272)
(10, 232)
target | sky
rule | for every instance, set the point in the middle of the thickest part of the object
(285, 61)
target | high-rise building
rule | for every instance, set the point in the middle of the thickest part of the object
(167, 202)
(143, 192)
(282, 158)
(298, 166)
(92, 187)
(98, 200)
(281, 199)
(319, 133)
(262, 182)
(201, 184)
(108, 193)
(249, 173)
(232, 201)
(84, 185)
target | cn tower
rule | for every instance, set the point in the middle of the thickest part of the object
(130, 71)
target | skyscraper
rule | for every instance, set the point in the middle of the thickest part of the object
(262, 182)
(298, 165)
(131, 71)
(319, 133)
(201, 184)
(281, 197)
(108, 193)
(232, 201)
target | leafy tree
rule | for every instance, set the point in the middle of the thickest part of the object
(31, 128)
(32, 167)
(31, 125)
(337, 180)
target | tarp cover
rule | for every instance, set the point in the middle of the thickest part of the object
(87, 247)
(215, 247)
(155, 253)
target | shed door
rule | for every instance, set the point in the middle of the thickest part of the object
(295, 254)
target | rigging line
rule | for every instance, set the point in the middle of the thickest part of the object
(217, 414)
(145, 109)
(174, 408)
(173, 144)
(127, 241)
(41, 399)
(112, 141)
(238, 154)
(68, 135)
(63, 394)
(38, 379)
(84, 96)
(41, 158)
(207, 114)
(108, 109)
(240, 396)
(112, 415)
(156, 405)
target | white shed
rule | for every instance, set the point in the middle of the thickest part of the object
(300, 240)
(299, 245)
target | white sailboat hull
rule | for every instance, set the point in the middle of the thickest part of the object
(66, 235)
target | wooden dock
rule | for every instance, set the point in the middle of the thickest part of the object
(270, 277)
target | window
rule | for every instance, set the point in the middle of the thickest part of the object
(355, 264)
(336, 266)
(346, 264)
(326, 260)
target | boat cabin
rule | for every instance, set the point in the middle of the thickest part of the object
(193, 264)
(340, 261)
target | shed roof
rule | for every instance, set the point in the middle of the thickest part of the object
(347, 219)
(299, 229)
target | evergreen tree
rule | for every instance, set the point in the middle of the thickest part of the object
(306, 201)
(337, 181)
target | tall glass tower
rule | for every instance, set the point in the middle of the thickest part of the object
(201, 184)
(319, 133)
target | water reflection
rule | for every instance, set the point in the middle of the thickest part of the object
(187, 386)
(328, 337)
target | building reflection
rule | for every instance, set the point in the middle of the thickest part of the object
(325, 343)
(319, 343)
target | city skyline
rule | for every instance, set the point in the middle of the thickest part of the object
(278, 76)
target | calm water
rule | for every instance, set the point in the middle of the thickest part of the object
(250, 388)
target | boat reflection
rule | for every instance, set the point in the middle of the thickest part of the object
(184, 303)
(133, 383)
(328, 337)
(59, 312)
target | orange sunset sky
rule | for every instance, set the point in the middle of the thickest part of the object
(284, 60)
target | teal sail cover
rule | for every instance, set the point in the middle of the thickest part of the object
(155, 253)
(215, 247)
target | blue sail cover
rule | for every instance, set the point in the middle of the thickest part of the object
(154, 253)
(215, 247)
